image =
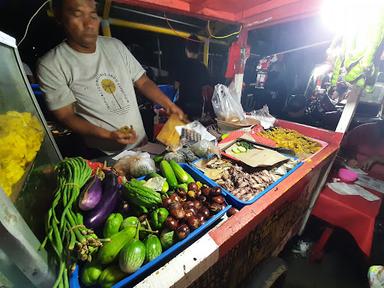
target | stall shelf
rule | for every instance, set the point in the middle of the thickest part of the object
(224, 256)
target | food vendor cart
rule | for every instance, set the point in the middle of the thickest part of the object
(224, 256)
(260, 230)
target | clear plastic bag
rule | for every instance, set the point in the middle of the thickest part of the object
(226, 106)
(136, 165)
(204, 148)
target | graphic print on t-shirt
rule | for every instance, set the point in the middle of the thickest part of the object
(112, 93)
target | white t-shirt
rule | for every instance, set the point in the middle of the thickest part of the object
(100, 84)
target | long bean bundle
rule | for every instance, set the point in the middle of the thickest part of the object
(66, 233)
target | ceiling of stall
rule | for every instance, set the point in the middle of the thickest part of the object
(251, 13)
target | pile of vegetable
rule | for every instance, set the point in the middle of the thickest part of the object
(159, 212)
(111, 226)
(68, 237)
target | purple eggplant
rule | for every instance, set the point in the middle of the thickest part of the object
(95, 218)
(90, 194)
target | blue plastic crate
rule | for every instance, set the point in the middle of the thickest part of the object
(151, 266)
(168, 91)
(236, 202)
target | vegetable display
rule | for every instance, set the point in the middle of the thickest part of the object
(133, 223)
(66, 234)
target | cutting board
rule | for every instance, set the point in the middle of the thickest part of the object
(168, 134)
(258, 157)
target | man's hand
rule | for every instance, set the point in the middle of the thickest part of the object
(153, 93)
(174, 109)
(124, 138)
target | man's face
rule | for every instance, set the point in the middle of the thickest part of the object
(81, 24)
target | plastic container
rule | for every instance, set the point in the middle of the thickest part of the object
(149, 267)
(347, 175)
(236, 202)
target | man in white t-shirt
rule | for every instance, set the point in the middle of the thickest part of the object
(89, 82)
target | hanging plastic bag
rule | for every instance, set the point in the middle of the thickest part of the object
(226, 107)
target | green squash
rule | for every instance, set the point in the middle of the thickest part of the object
(110, 250)
(132, 256)
(153, 247)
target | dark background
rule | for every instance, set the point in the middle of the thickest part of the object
(44, 34)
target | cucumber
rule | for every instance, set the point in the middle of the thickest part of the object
(190, 179)
(111, 249)
(132, 256)
(152, 247)
(242, 149)
(236, 150)
(181, 175)
(168, 173)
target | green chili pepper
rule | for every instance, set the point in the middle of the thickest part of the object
(158, 217)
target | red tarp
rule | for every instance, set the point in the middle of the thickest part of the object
(252, 13)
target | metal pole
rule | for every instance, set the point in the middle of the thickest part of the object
(159, 53)
(206, 52)
(156, 16)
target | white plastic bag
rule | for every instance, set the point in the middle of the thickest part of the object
(262, 115)
(226, 107)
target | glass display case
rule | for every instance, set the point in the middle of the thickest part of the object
(28, 154)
